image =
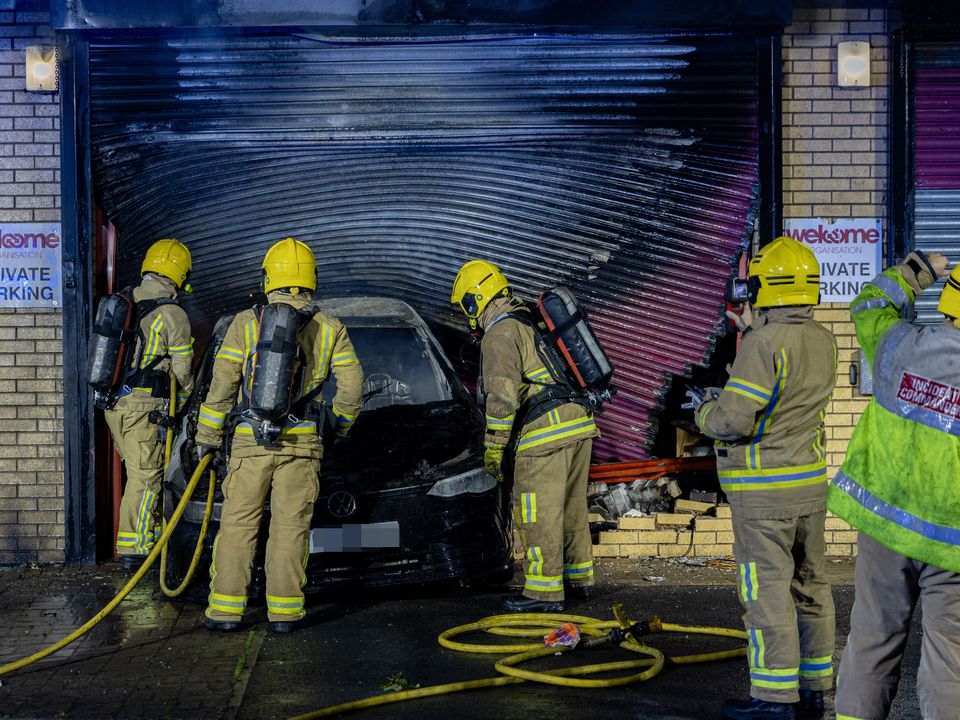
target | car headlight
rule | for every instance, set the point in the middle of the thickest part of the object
(473, 481)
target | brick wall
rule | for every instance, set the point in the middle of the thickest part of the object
(31, 350)
(835, 166)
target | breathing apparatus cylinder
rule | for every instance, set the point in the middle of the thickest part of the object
(587, 365)
(275, 363)
(110, 344)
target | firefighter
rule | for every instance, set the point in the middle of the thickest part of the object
(550, 453)
(289, 470)
(898, 487)
(163, 345)
(768, 426)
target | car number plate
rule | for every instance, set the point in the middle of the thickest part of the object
(355, 538)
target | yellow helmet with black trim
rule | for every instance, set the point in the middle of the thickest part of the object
(170, 258)
(477, 283)
(289, 264)
(784, 273)
(949, 303)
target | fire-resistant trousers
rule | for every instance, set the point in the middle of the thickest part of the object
(293, 483)
(140, 447)
(887, 588)
(550, 509)
(789, 614)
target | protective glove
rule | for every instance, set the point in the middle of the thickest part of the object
(204, 449)
(742, 320)
(698, 396)
(493, 461)
(921, 270)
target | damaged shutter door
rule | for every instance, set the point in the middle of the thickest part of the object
(625, 166)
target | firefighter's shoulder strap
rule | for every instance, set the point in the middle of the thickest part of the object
(552, 394)
(276, 386)
(147, 376)
(307, 313)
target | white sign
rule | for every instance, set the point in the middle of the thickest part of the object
(849, 252)
(30, 274)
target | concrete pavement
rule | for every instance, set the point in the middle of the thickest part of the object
(152, 658)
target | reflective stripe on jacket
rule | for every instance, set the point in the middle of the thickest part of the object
(900, 478)
(768, 419)
(512, 372)
(326, 347)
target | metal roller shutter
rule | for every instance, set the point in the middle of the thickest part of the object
(936, 207)
(625, 167)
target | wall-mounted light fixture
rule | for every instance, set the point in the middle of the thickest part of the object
(853, 64)
(42, 68)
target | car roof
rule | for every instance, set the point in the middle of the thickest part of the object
(370, 308)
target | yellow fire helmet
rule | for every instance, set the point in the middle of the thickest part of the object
(289, 264)
(477, 283)
(171, 259)
(949, 303)
(784, 273)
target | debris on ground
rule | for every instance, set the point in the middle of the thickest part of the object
(397, 682)
(698, 562)
(630, 499)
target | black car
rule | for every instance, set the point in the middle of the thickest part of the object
(404, 497)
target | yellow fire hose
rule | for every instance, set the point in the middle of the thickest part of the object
(159, 548)
(537, 625)
(207, 513)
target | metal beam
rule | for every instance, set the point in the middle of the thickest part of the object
(899, 197)
(456, 15)
(77, 221)
(770, 91)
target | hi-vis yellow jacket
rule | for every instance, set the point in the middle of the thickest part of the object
(164, 338)
(768, 419)
(326, 347)
(900, 481)
(512, 371)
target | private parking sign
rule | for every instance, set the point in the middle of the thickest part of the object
(30, 274)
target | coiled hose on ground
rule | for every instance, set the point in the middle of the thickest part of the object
(620, 631)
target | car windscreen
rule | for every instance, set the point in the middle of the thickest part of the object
(399, 368)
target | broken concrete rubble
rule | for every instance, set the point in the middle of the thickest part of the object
(645, 496)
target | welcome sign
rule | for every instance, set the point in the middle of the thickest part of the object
(850, 253)
(30, 274)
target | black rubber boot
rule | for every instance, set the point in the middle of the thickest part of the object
(132, 563)
(811, 703)
(222, 625)
(754, 709)
(283, 627)
(521, 604)
(580, 594)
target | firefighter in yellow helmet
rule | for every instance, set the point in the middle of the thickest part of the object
(286, 465)
(550, 453)
(163, 345)
(898, 487)
(767, 423)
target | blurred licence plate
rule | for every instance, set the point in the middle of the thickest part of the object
(355, 538)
